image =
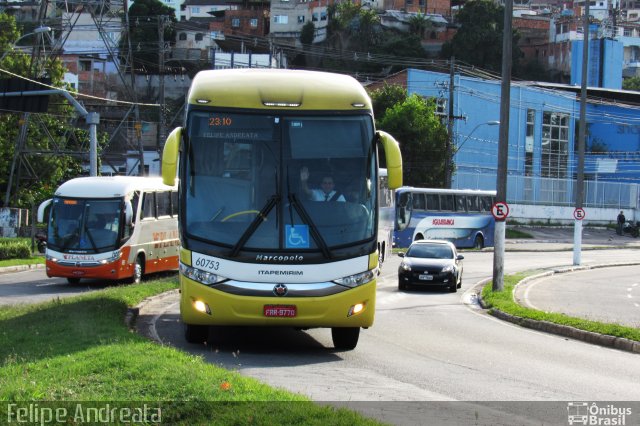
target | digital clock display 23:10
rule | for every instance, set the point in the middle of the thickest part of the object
(220, 121)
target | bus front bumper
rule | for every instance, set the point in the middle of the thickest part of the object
(203, 305)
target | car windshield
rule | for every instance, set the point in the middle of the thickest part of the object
(84, 225)
(424, 251)
(254, 181)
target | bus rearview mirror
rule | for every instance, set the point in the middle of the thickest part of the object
(393, 157)
(170, 157)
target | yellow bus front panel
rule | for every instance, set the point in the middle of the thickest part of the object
(353, 307)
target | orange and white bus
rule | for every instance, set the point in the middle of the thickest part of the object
(114, 228)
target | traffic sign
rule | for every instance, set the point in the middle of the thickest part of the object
(579, 213)
(500, 210)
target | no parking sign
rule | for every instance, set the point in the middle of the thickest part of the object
(500, 210)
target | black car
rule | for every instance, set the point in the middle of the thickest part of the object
(431, 263)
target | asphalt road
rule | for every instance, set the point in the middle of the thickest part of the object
(426, 345)
(609, 295)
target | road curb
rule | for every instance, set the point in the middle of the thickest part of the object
(614, 342)
(19, 268)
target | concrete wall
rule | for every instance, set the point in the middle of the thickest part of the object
(564, 215)
(11, 219)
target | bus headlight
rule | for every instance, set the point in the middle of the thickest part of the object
(204, 277)
(357, 279)
(115, 255)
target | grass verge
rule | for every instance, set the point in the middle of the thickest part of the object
(504, 302)
(79, 349)
(516, 233)
(17, 262)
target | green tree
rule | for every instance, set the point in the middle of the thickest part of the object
(422, 139)
(478, 40)
(145, 19)
(386, 97)
(632, 83)
(45, 132)
(419, 24)
(308, 33)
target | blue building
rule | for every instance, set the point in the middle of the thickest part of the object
(542, 160)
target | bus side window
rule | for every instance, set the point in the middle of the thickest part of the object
(135, 201)
(418, 201)
(164, 203)
(433, 202)
(472, 203)
(485, 203)
(446, 202)
(174, 203)
(461, 203)
(149, 205)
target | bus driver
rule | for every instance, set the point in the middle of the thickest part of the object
(325, 192)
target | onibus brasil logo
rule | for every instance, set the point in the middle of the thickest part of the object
(583, 413)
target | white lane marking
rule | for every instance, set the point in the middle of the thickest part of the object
(634, 285)
(152, 328)
(46, 284)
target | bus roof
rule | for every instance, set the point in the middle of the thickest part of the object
(109, 186)
(256, 88)
(446, 191)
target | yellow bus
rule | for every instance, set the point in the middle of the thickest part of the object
(113, 228)
(258, 247)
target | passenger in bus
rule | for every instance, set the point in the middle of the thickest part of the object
(326, 192)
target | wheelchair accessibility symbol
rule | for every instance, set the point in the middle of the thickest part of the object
(297, 236)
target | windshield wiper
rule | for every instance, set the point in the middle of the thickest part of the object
(260, 217)
(315, 232)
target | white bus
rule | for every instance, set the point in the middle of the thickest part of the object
(111, 228)
(386, 204)
(462, 216)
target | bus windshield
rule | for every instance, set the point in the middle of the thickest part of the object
(251, 180)
(84, 225)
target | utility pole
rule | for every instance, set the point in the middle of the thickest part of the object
(503, 147)
(579, 195)
(448, 167)
(162, 19)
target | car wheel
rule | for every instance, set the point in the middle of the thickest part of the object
(345, 338)
(401, 285)
(73, 281)
(196, 333)
(453, 287)
(478, 243)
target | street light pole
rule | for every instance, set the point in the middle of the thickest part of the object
(488, 123)
(39, 30)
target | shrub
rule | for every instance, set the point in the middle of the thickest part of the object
(13, 249)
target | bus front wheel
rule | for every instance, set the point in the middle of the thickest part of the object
(138, 271)
(478, 243)
(196, 333)
(345, 338)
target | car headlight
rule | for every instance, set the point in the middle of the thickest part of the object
(203, 277)
(357, 279)
(406, 266)
(448, 268)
